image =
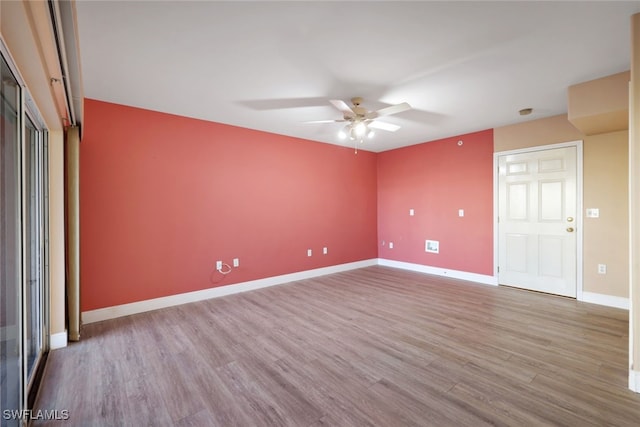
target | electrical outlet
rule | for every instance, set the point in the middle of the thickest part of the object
(460, 212)
(390, 245)
(325, 250)
(412, 212)
(602, 268)
(309, 252)
(236, 262)
(218, 265)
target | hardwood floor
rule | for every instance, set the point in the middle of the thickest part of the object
(370, 347)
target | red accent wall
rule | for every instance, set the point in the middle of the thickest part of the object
(163, 197)
(436, 179)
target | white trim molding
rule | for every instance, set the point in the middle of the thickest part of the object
(634, 381)
(106, 313)
(608, 300)
(92, 316)
(438, 271)
(58, 340)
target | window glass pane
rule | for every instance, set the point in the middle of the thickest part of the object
(9, 243)
(33, 245)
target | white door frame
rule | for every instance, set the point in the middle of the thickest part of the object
(579, 209)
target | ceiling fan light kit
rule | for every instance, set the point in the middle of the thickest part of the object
(356, 131)
(360, 121)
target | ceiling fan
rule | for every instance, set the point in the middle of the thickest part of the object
(360, 121)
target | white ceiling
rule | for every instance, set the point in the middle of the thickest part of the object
(463, 66)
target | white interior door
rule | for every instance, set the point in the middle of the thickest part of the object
(537, 208)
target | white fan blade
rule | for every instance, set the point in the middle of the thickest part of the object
(342, 106)
(326, 121)
(387, 111)
(384, 126)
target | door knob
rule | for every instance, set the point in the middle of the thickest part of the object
(570, 229)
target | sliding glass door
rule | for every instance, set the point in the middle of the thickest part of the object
(10, 244)
(34, 186)
(23, 246)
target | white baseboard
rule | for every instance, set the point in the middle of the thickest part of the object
(608, 300)
(634, 381)
(172, 300)
(454, 274)
(100, 314)
(58, 340)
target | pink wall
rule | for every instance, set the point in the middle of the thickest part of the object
(436, 179)
(163, 197)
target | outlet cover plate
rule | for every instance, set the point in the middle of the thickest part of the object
(432, 246)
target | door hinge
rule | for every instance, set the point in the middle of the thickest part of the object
(498, 269)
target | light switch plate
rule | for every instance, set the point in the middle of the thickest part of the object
(593, 213)
(460, 212)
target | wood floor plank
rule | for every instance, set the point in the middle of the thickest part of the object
(609, 407)
(425, 406)
(144, 404)
(200, 419)
(370, 347)
(323, 393)
(218, 395)
(526, 402)
(279, 390)
(495, 408)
